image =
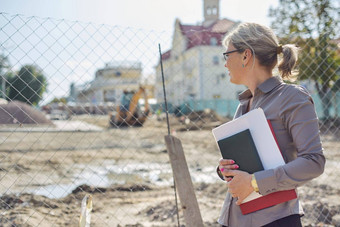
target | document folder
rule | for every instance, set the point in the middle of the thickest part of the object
(241, 148)
(267, 149)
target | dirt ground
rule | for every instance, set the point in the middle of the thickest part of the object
(44, 176)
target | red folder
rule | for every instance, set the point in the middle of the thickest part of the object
(270, 199)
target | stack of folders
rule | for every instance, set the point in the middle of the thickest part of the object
(250, 141)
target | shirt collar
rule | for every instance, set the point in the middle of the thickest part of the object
(265, 87)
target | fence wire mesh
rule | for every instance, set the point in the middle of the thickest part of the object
(82, 112)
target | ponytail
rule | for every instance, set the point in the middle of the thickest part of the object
(288, 61)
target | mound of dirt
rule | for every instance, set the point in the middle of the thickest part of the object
(198, 120)
(16, 112)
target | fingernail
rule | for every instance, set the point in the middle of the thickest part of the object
(232, 161)
(222, 170)
(236, 166)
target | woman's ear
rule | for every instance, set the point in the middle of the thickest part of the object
(247, 55)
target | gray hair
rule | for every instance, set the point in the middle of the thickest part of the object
(264, 45)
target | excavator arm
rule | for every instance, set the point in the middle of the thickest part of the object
(134, 103)
(128, 116)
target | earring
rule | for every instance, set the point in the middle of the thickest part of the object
(242, 65)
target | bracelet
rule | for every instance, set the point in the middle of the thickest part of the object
(219, 173)
(254, 183)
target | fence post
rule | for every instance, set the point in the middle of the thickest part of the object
(185, 188)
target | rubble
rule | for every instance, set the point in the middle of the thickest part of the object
(198, 120)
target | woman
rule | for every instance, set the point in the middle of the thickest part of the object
(252, 54)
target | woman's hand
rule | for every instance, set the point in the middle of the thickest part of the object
(225, 165)
(240, 184)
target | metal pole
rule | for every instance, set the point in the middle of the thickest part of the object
(167, 119)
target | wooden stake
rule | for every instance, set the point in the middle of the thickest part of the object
(185, 188)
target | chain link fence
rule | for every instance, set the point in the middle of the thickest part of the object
(82, 112)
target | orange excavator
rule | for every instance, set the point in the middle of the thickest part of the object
(129, 112)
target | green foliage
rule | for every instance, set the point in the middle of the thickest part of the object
(313, 26)
(8, 77)
(28, 85)
(59, 100)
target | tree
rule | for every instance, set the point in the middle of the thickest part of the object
(28, 85)
(312, 25)
(5, 75)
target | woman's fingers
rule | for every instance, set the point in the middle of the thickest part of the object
(228, 179)
(226, 162)
(228, 167)
(240, 185)
(239, 200)
(233, 193)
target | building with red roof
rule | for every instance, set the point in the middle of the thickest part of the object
(194, 66)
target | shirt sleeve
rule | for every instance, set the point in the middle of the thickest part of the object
(299, 118)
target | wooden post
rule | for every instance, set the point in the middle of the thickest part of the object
(183, 182)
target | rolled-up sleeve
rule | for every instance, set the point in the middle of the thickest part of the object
(298, 115)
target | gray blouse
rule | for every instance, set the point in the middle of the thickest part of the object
(291, 112)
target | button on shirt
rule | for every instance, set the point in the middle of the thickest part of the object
(291, 112)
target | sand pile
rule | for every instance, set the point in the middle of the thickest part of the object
(16, 112)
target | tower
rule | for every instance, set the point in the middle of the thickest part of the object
(211, 11)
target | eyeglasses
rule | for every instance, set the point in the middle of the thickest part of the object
(225, 55)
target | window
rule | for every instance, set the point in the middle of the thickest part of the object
(214, 10)
(213, 41)
(215, 60)
(208, 11)
(217, 80)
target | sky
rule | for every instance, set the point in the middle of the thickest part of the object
(148, 14)
(151, 15)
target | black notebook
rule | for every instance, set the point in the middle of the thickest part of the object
(241, 148)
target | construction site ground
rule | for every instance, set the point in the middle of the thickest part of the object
(46, 173)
